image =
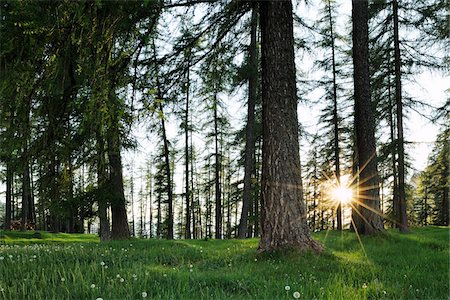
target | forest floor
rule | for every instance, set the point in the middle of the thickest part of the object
(69, 266)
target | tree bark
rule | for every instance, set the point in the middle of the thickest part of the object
(217, 170)
(368, 199)
(402, 217)
(186, 154)
(102, 180)
(249, 160)
(169, 177)
(335, 119)
(285, 223)
(120, 228)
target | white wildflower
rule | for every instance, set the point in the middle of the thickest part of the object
(364, 286)
(122, 280)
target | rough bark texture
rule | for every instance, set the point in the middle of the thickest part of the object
(284, 224)
(120, 228)
(402, 217)
(368, 190)
(249, 160)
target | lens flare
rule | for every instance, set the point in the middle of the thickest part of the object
(342, 194)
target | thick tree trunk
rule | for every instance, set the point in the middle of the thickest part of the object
(249, 160)
(368, 199)
(120, 228)
(284, 224)
(402, 217)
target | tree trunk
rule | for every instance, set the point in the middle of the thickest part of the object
(402, 217)
(285, 224)
(218, 193)
(395, 208)
(120, 228)
(102, 180)
(8, 204)
(186, 154)
(249, 160)
(335, 120)
(368, 200)
(169, 177)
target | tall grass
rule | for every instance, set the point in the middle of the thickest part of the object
(63, 266)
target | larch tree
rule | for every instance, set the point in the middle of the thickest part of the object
(367, 206)
(249, 158)
(284, 211)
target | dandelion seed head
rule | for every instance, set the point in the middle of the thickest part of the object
(287, 288)
(122, 280)
(296, 295)
(102, 263)
(144, 294)
(63, 279)
(92, 286)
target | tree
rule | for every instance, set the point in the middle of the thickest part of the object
(403, 219)
(249, 161)
(368, 198)
(284, 223)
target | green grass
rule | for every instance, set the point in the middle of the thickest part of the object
(64, 266)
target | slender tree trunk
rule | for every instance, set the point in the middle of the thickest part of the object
(8, 204)
(120, 227)
(25, 189)
(26, 168)
(395, 207)
(335, 119)
(403, 218)
(168, 175)
(186, 154)
(285, 224)
(249, 160)
(102, 180)
(445, 209)
(217, 170)
(369, 196)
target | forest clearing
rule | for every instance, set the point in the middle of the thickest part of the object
(232, 149)
(70, 266)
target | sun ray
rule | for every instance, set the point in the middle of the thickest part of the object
(359, 238)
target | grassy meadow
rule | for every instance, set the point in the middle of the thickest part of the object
(70, 266)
